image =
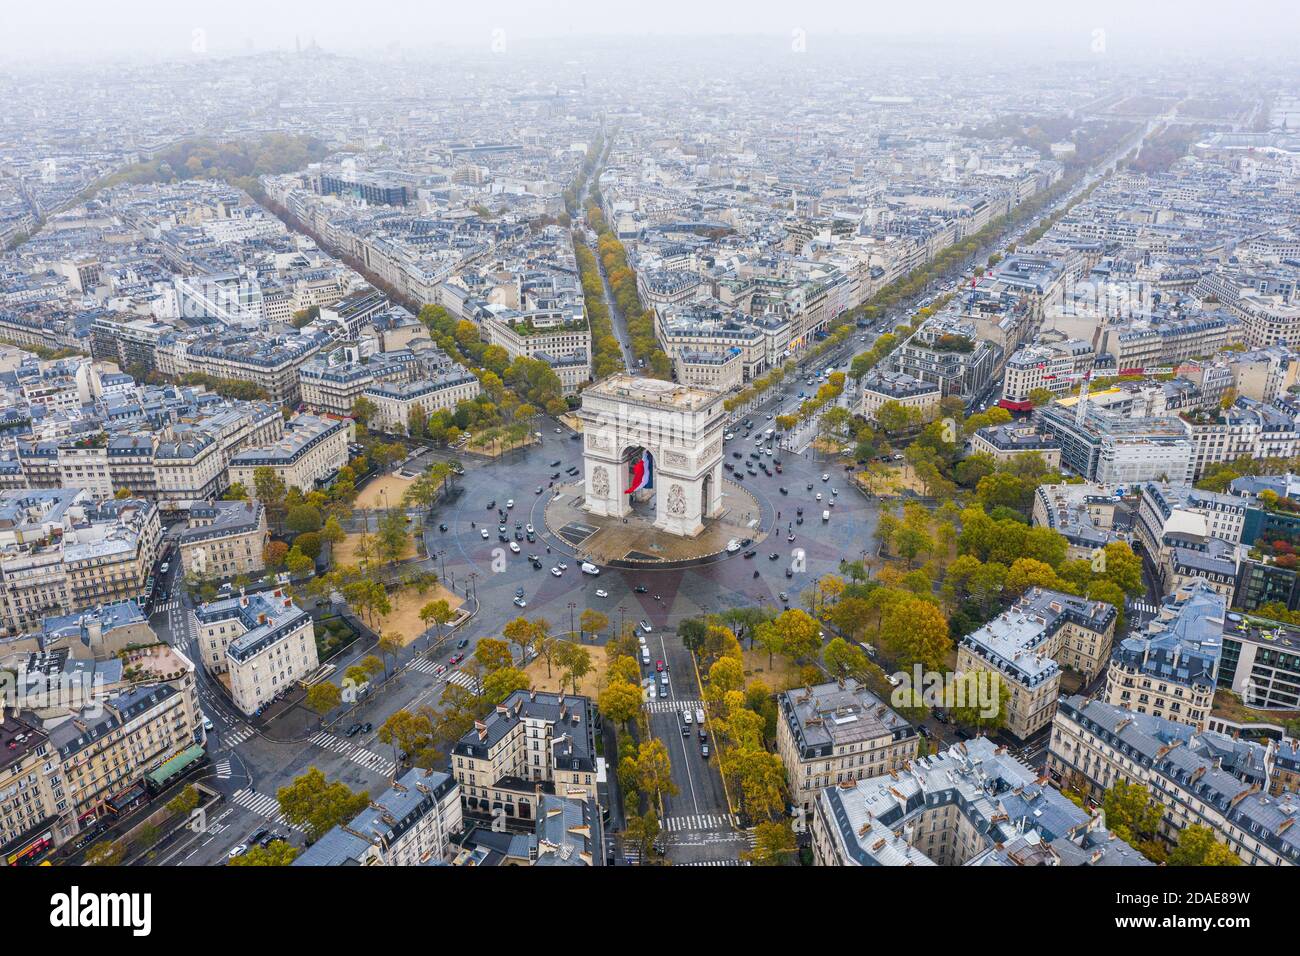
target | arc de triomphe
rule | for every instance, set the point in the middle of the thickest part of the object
(679, 426)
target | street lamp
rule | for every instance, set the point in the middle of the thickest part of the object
(621, 610)
(572, 606)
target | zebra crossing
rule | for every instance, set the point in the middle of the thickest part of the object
(422, 665)
(671, 706)
(264, 805)
(223, 769)
(166, 606)
(468, 681)
(715, 863)
(234, 738)
(360, 755)
(695, 821)
(1144, 607)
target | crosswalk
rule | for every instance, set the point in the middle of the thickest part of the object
(223, 769)
(166, 606)
(468, 681)
(422, 665)
(672, 706)
(1144, 607)
(714, 863)
(695, 821)
(372, 761)
(264, 805)
(233, 738)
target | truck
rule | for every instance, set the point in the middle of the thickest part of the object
(589, 568)
(699, 716)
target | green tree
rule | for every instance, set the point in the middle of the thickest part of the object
(1198, 847)
(324, 697)
(275, 853)
(315, 805)
(774, 844)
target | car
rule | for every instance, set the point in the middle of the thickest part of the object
(940, 715)
(455, 659)
(784, 490)
(587, 568)
(602, 593)
(539, 490)
(556, 463)
(834, 492)
(554, 475)
(645, 626)
(785, 598)
(514, 547)
(773, 556)
(728, 436)
(704, 751)
(510, 503)
(208, 725)
(520, 602)
(652, 693)
(259, 835)
(239, 850)
(556, 571)
(501, 529)
(659, 665)
(558, 431)
(810, 486)
(491, 504)
(535, 560)
(825, 477)
(165, 566)
(640, 589)
(353, 730)
(750, 553)
(442, 526)
(576, 436)
(799, 511)
(528, 528)
(964, 734)
(789, 572)
(561, 565)
(733, 546)
(269, 838)
(519, 592)
(737, 455)
(893, 681)
(818, 496)
(462, 643)
(366, 728)
(484, 533)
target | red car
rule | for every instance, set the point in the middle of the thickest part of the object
(659, 665)
(455, 659)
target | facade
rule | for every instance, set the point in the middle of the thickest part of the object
(1261, 662)
(1027, 646)
(720, 371)
(970, 805)
(1196, 777)
(533, 744)
(680, 429)
(1004, 443)
(60, 551)
(411, 824)
(263, 641)
(1170, 671)
(880, 386)
(395, 401)
(224, 539)
(310, 451)
(1088, 515)
(837, 732)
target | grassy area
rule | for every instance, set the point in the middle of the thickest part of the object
(345, 552)
(782, 675)
(404, 618)
(1229, 706)
(889, 480)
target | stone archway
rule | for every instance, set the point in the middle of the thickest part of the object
(679, 428)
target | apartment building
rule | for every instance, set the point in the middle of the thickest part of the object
(533, 744)
(310, 451)
(721, 371)
(271, 363)
(1028, 644)
(837, 732)
(224, 539)
(1260, 662)
(61, 551)
(1051, 366)
(396, 401)
(263, 641)
(1004, 443)
(1197, 777)
(880, 386)
(970, 805)
(1088, 515)
(29, 779)
(568, 831)
(410, 824)
(1171, 669)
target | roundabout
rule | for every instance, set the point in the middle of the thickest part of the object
(634, 540)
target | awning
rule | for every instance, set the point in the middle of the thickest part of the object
(175, 765)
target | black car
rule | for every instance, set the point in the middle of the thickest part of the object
(750, 553)
(354, 730)
(492, 504)
(366, 728)
(442, 527)
(576, 436)
(737, 455)
(555, 475)
(746, 542)
(640, 589)
(464, 641)
(809, 486)
(784, 491)
(773, 556)
(798, 511)
(556, 463)
(259, 836)
(268, 839)
(789, 573)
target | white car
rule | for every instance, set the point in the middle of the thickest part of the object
(561, 565)
(520, 602)
(819, 496)
(510, 503)
(728, 436)
(589, 568)
(484, 533)
(733, 545)
(208, 725)
(556, 571)
(601, 592)
(825, 477)
(239, 850)
(528, 528)
(514, 547)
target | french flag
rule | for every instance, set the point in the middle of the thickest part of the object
(642, 473)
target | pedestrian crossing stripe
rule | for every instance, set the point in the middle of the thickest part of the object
(223, 769)
(262, 804)
(423, 665)
(360, 755)
(696, 821)
(468, 681)
(238, 736)
(332, 742)
(672, 706)
(715, 863)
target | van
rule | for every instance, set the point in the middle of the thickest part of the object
(645, 656)
(699, 716)
(826, 516)
(588, 568)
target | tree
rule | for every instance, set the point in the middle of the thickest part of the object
(592, 621)
(500, 684)
(274, 553)
(308, 543)
(654, 769)
(363, 410)
(975, 712)
(275, 853)
(316, 805)
(184, 803)
(1198, 847)
(406, 731)
(333, 531)
(438, 613)
(774, 844)
(844, 660)
(106, 853)
(324, 697)
(800, 634)
(302, 518)
(915, 631)
(620, 701)
(1134, 817)
(520, 632)
(298, 564)
(574, 661)
(389, 645)
(268, 486)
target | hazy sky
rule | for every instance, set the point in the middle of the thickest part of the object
(55, 29)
